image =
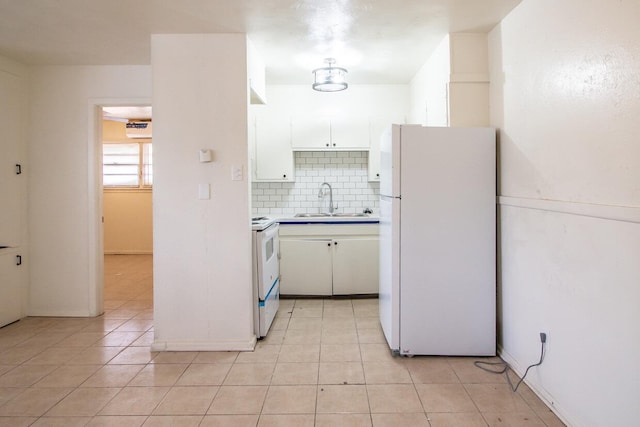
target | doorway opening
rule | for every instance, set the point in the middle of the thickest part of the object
(127, 186)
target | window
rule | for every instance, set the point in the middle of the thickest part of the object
(127, 165)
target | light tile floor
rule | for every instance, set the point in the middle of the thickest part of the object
(324, 363)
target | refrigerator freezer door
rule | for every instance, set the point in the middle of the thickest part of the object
(389, 292)
(447, 265)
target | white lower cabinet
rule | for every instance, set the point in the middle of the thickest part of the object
(326, 259)
(11, 286)
(305, 267)
(355, 265)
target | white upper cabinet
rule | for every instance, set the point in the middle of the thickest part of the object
(350, 132)
(312, 132)
(378, 125)
(299, 119)
(273, 155)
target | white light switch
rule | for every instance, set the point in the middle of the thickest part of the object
(236, 172)
(204, 192)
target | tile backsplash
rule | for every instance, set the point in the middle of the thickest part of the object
(346, 171)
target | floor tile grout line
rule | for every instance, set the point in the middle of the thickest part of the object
(324, 305)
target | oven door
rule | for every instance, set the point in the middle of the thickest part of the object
(268, 278)
(268, 262)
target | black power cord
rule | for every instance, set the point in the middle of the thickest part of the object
(506, 367)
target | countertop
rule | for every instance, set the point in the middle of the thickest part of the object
(369, 219)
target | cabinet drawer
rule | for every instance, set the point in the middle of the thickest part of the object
(329, 230)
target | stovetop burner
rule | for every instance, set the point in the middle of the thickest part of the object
(259, 223)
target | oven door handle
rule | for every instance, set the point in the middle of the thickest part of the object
(271, 231)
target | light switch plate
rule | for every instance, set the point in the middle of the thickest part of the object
(204, 192)
(236, 172)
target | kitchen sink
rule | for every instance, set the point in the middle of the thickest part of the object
(350, 215)
(308, 215)
(328, 215)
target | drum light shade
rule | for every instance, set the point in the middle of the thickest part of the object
(329, 78)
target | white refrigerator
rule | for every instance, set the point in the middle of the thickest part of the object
(437, 240)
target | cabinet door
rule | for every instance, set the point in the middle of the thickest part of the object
(377, 127)
(10, 289)
(355, 266)
(10, 139)
(274, 157)
(374, 156)
(350, 132)
(305, 267)
(310, 132)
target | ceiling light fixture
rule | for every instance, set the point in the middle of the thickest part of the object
(329, 78)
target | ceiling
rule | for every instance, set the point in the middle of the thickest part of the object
(126, 113)
(378, 41)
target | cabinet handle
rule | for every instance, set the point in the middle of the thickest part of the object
(329, 244)
(18, 259)
(378, 175)
(335, 243)
(284, 176)
(327, 144)
(334, 144)
(18, 169)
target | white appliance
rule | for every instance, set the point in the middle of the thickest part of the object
(437, 240)
(266, 273)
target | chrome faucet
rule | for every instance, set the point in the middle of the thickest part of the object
(332, 208)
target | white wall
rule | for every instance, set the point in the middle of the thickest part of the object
(452, 87)
(469, 80)
(428, 89)
(63, 166)
(202, 248)
(357, 101)
(128, 226)
(564, 95)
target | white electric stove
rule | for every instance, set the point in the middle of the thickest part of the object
(266, 273)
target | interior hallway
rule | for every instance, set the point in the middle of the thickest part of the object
(324, 363)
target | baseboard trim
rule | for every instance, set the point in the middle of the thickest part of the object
(56, 313)
(128, 252)
(536, 388)
(204, 346)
